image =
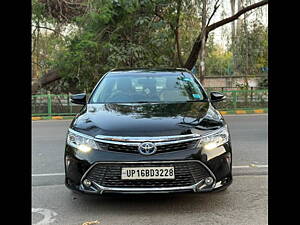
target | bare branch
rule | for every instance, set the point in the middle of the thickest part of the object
(48, 28)
(213, 13)
(34, 40)
(236, 16)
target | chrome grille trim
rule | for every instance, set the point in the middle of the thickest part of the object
(135, 141)
(141, 141)
(120, 139)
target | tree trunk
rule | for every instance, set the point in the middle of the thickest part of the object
(233, 34)
(239, 21)
(176, 32)
(232, 4)
(203, 42)
(191, 61)
(202, 60)
(177, 43)
(47, 78)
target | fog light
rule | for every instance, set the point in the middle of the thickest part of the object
(87, 183)
(68, 161)
(208, 180)
(228, 158)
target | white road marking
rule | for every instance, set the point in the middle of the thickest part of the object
(48, 215)
(250, 166)
(233, 167)
(47, 174)
(239, 167)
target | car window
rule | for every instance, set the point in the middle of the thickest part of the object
(134, 88)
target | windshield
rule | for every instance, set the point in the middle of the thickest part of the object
(147, 88)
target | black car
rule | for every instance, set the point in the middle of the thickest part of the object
(148, 131)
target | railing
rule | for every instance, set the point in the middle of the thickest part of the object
(53, 105)
(60, 105)
(221, 89)
(243, 99)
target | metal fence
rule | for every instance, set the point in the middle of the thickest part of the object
(243, 99)
(53, 105)
(221, 89)
(60, 105)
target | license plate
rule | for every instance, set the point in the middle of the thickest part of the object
(147, 173)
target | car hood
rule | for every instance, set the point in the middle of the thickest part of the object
(155, 119)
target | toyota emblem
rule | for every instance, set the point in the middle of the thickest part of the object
(147, 148)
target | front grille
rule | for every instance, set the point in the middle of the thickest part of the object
(109, 175)
(160, 148)
(176, 147)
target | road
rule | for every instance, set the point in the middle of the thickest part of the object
(244, 202)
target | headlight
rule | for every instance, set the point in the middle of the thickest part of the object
(82, 142)
(215, 139)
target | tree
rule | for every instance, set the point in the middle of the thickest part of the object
(198, 43)
(47, 41)
(218, 60)
(121, 33)
(251, 48)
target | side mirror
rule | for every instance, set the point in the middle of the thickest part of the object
(216, 96)
(79, 99)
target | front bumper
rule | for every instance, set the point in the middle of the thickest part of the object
(79, 166)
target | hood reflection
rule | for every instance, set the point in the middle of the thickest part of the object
(155, 119)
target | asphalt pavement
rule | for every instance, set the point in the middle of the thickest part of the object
(244, 202)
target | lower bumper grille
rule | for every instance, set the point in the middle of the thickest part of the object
(109, 175)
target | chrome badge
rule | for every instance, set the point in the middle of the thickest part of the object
(147, 148)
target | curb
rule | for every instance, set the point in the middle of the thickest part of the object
(246, 111)
(227, 112)
(51, 117)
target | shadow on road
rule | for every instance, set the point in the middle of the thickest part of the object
(152, 203)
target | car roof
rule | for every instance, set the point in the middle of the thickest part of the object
(149, 70)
